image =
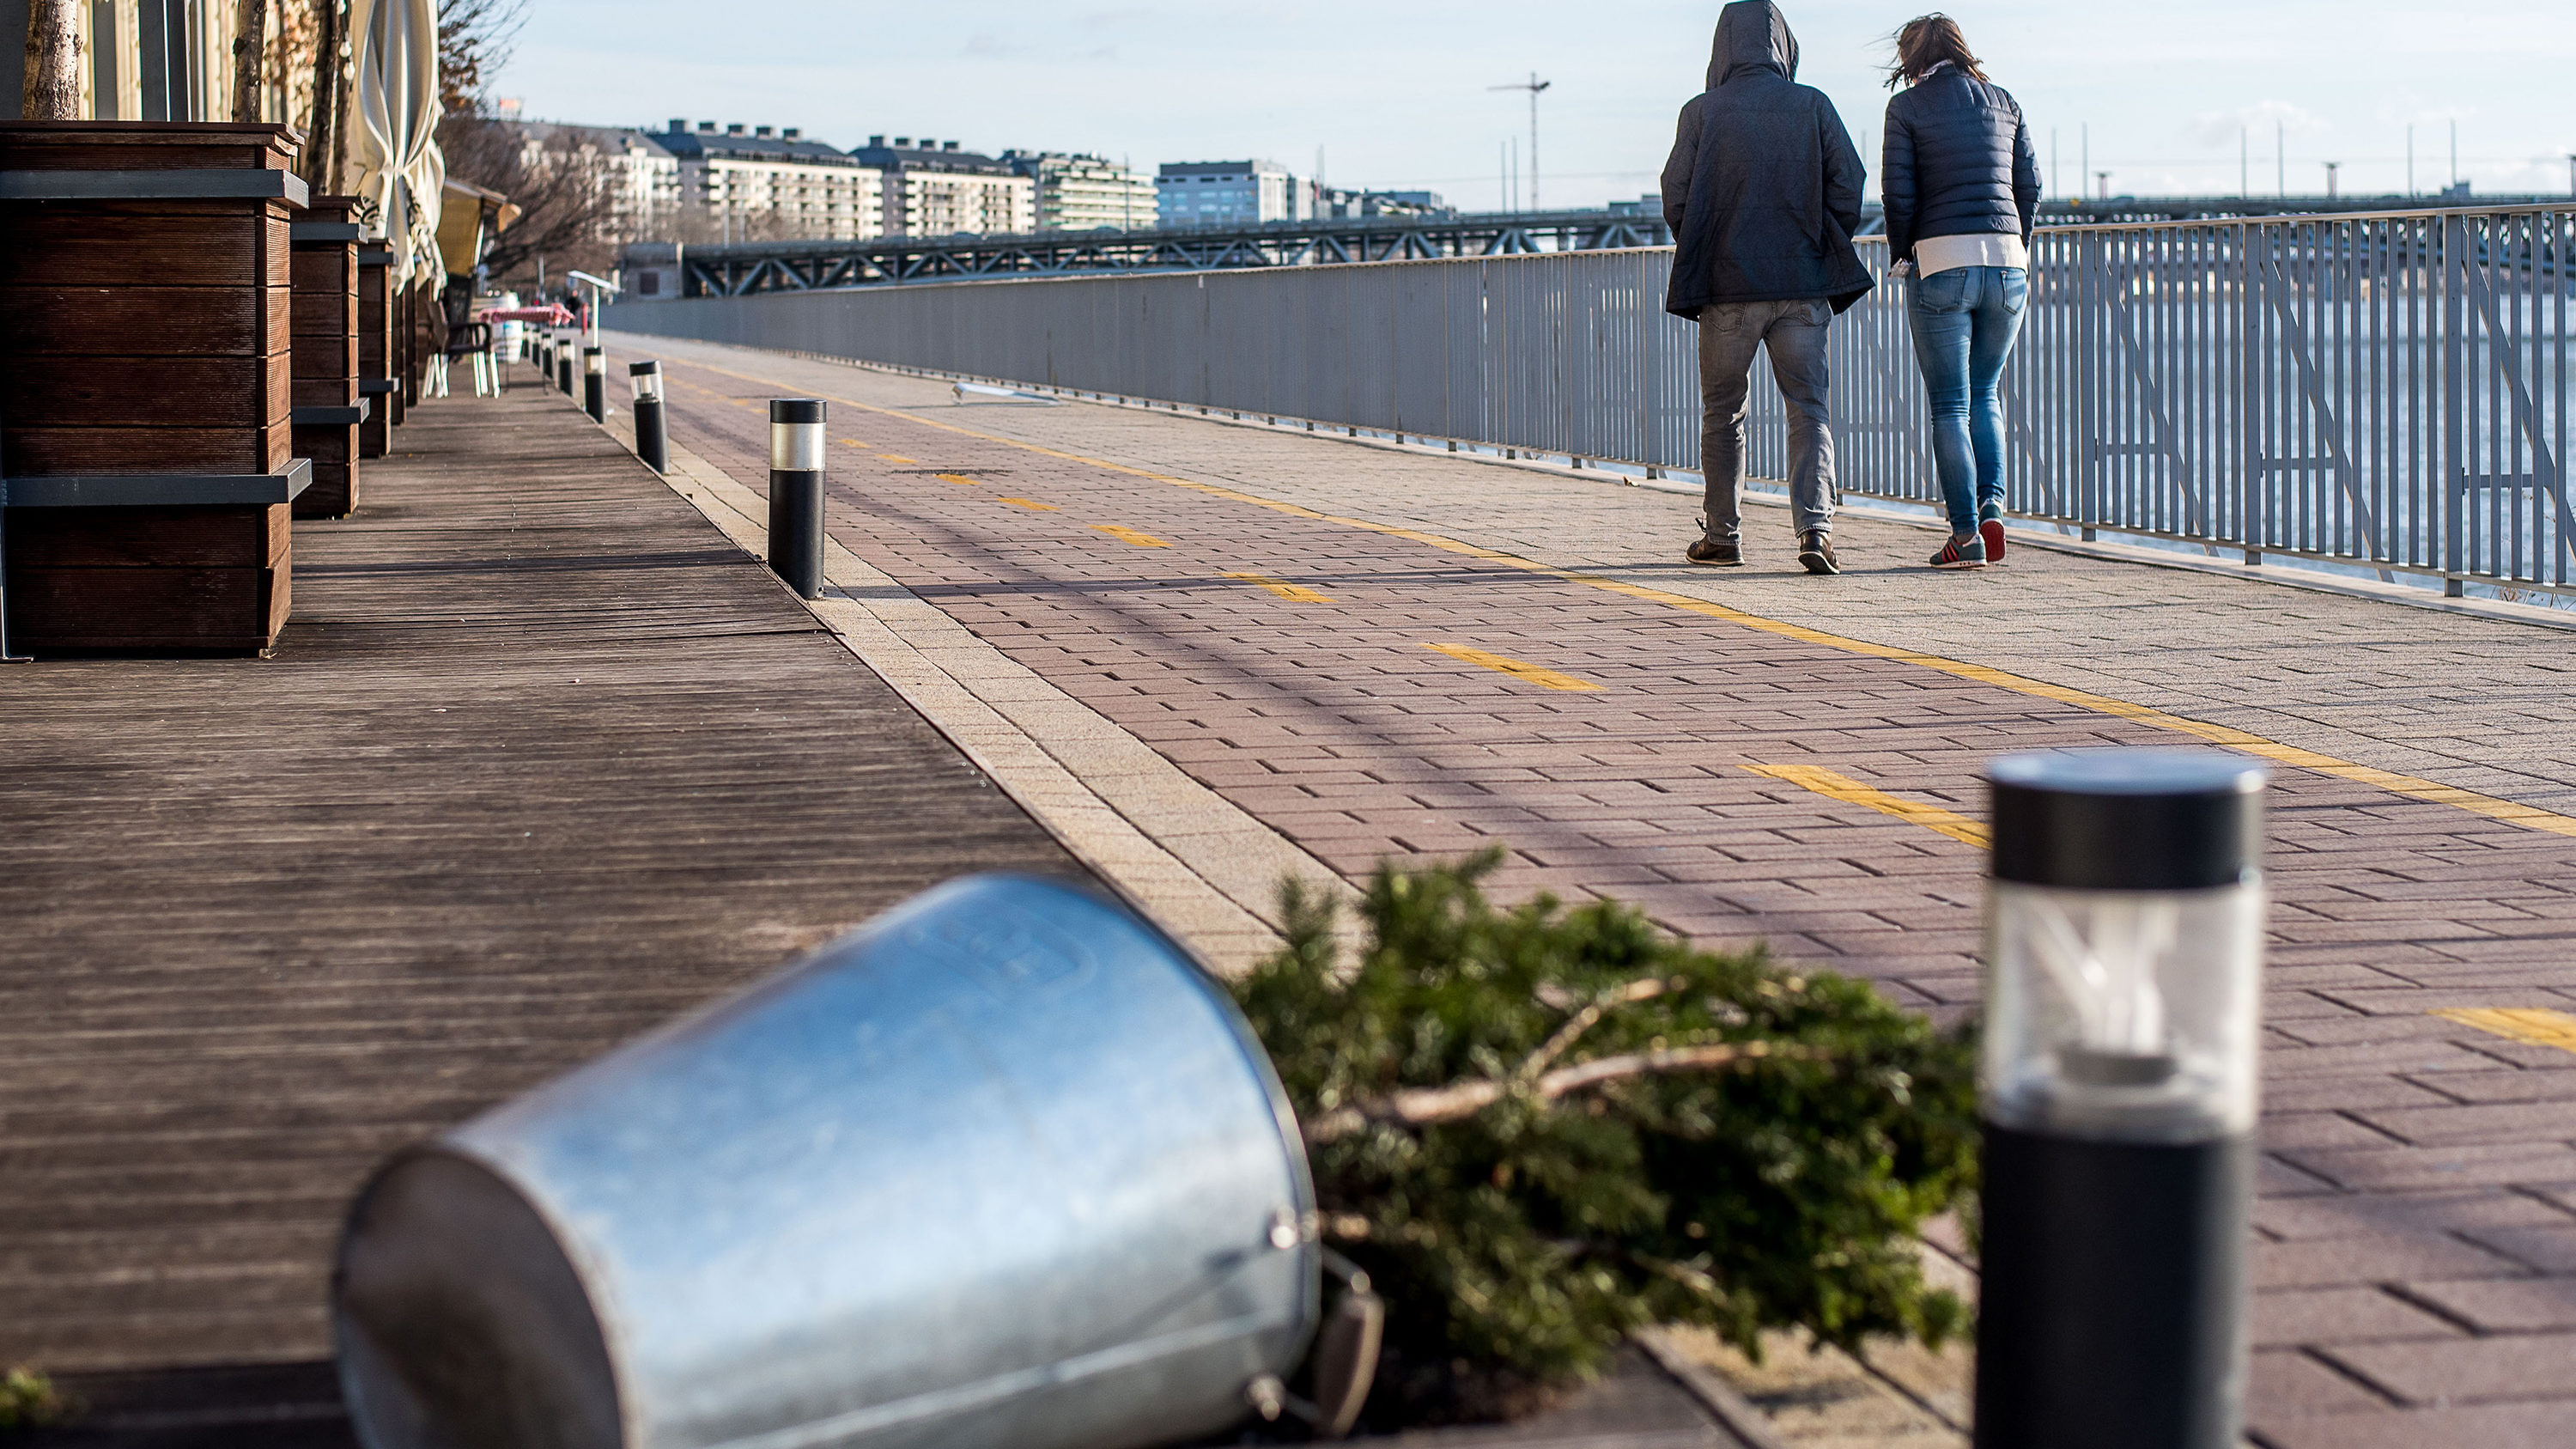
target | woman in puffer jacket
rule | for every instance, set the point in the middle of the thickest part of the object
(1962, 189)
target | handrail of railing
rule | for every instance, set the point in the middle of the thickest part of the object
(2386, 390)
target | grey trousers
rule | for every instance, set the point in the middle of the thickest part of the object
(1794, 333)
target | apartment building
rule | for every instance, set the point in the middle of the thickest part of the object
(764, 183)
(1232, 193)
(638, 177)
(938, 188)
(1087, 193)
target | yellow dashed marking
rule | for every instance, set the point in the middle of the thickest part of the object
(1294, 593)
(1517, 668)
(2528, 816)
(958, 478)
(1022, 502)
(893, 458)
(1125, 534)
(2530, 1025)
(1852, 792)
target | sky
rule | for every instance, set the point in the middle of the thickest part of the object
(2172, 97)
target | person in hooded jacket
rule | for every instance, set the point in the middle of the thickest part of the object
(1763, 191)
(1961, 181)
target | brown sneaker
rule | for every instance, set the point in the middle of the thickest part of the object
(1992, 531)
(1716, 555)
(1816, 552)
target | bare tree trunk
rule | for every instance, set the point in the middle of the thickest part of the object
(322, 168)
(250, 57)
(54, 55)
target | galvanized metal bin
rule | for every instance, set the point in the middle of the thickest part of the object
(1003, 1168)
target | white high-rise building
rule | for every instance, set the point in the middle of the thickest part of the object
(1232, 193)
(937, 188)
(1087, 193)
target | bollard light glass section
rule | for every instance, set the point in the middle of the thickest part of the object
(2124, 950)
(646, 379)
(593, 363)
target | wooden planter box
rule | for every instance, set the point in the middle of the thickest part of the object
(376, 349)
(145, 383)
(328, 406)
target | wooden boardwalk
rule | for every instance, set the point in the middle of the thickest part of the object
(541, 760)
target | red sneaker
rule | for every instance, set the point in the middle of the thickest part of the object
(1992, 531)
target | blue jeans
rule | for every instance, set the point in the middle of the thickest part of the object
(1965, 320)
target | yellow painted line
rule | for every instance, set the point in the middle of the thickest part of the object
(851, 443)
(1125, 534)
(1852, 792)
(958, 478)
(893, 458)
(1516, 668)
(2530, 1025)
(2527, 816)
(1028, 503)
(1294, 593)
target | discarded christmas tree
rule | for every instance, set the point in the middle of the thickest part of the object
(1542, 1129)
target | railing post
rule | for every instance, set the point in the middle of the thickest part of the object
(652, 432)
(594, 384)
(796, 493)
(2455, 423)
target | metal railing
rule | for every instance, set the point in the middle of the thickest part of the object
(2384, 391)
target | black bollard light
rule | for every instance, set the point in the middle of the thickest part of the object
(796, 493)
(563, 363)
(2118, 1083)
(652, 435)
(594, 384)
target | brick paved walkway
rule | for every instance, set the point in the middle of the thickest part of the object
(1386, 652)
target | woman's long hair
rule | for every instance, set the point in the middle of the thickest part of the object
(1927, 41)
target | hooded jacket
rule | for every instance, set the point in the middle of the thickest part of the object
(1763, 189)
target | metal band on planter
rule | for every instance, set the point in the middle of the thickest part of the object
(324, 232)
(158, 490)
(214, 183)
(330, 417)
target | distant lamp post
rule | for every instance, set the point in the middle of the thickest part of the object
(1533, 85)
(2102, 179)
(2331, 168)
(652, 436)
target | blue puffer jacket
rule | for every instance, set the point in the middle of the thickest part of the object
(1958, 162)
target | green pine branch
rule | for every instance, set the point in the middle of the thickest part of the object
(1541, 1129)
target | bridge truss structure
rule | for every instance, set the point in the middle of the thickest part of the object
(749, 268)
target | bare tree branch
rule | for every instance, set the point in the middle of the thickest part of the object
(1430, 1106)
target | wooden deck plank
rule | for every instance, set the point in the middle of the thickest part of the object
(541, 760)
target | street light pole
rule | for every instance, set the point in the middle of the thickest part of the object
(1533, 85)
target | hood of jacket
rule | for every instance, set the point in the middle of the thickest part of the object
(1752, 35)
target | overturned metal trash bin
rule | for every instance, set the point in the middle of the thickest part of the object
(1003, 1168)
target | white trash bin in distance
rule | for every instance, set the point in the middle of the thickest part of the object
(1003, 1168)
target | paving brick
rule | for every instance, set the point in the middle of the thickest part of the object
(2503, 1305)
(2549, 1248)
(2398, 1168)
(2373, 1258)
(2466, 1371)
(2289, 1384)
(2346, 1315)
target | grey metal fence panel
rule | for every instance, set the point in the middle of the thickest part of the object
(2384, 391)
